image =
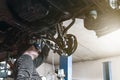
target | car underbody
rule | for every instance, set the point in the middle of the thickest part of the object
(25, 22)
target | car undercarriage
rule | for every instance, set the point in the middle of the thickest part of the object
(25, 22)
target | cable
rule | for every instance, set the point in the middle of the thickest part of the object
(53, 65)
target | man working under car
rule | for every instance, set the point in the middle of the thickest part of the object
(25, 67)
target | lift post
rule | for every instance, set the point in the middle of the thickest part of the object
(107, 73)
(66, 64)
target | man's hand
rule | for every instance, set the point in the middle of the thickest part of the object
(31, 52)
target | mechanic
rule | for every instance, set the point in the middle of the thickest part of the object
(24, 65)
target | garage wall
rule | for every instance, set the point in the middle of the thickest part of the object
(46, 70)
(93, 70)
(89, 70)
